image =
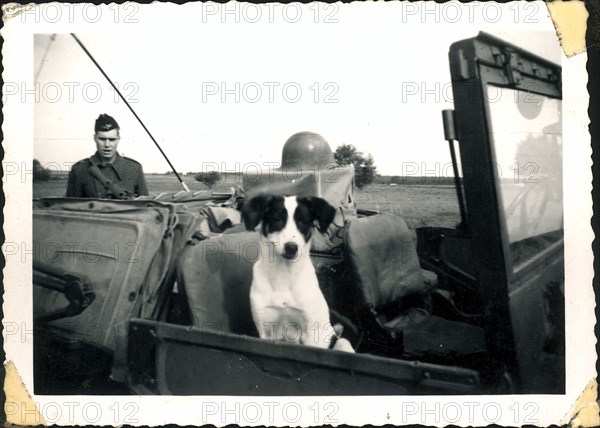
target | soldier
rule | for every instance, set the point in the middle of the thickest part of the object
(106, 174)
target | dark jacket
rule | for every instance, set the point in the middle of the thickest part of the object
(124, 172)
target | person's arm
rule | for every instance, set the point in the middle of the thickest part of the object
(142, 189)
(73, 188)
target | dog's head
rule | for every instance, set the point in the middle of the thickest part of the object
(287, 221)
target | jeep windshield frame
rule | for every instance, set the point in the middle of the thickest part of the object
(476, 65)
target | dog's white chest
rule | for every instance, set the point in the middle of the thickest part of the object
(289, 306)
(271, 288)
(279, 299)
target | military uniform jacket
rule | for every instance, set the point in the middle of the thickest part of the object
(124, 172)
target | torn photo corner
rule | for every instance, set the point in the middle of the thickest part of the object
(299, 214)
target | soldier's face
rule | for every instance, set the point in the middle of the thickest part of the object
(106, 143)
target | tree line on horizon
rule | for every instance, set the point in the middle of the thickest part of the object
(365, 171)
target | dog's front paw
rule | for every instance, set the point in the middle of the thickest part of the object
(338, 342)
(343, 345)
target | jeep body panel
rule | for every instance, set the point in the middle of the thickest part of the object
(180, 360)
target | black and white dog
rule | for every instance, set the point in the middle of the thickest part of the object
(286, 301)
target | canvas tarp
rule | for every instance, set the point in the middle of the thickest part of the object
(126, 249)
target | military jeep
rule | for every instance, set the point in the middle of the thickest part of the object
(163, 308)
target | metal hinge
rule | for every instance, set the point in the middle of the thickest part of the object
(512, 66)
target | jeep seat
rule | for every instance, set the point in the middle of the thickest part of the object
(213, 281)
(391, 297)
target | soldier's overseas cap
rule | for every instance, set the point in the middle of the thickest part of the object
(105, 123)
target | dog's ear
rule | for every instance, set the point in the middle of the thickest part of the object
(254, 210)
(320, 209)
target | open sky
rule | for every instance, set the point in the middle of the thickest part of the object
(377, 78)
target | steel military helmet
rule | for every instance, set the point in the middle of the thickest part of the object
(307, 150)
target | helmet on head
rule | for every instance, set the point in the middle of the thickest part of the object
(306, 150)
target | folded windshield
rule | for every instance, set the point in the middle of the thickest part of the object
(527, 143)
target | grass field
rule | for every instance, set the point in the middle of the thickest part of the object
(419, 205)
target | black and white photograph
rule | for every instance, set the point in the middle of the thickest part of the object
(296, 214)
